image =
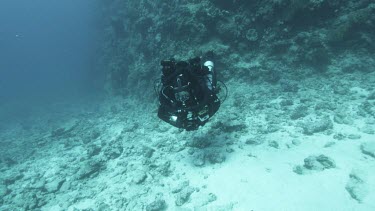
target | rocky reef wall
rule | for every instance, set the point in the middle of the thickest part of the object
(266, 40)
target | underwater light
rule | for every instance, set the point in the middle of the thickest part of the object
(173, 118)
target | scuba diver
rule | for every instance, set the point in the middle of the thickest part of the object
(188, 93)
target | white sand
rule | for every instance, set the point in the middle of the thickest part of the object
(252, 177)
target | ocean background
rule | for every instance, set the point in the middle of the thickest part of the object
(78, 113)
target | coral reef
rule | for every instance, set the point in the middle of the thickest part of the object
(299, 118)
(310, 35)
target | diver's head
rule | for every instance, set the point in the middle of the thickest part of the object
(181, 91)
(182, 96)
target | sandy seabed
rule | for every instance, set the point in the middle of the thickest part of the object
(306, 145)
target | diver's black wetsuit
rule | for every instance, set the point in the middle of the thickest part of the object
(187, 96)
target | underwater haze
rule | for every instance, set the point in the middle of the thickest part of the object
(47, 48)
(79, 125)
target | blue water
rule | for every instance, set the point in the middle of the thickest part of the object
(298, 124)
(46, 49)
